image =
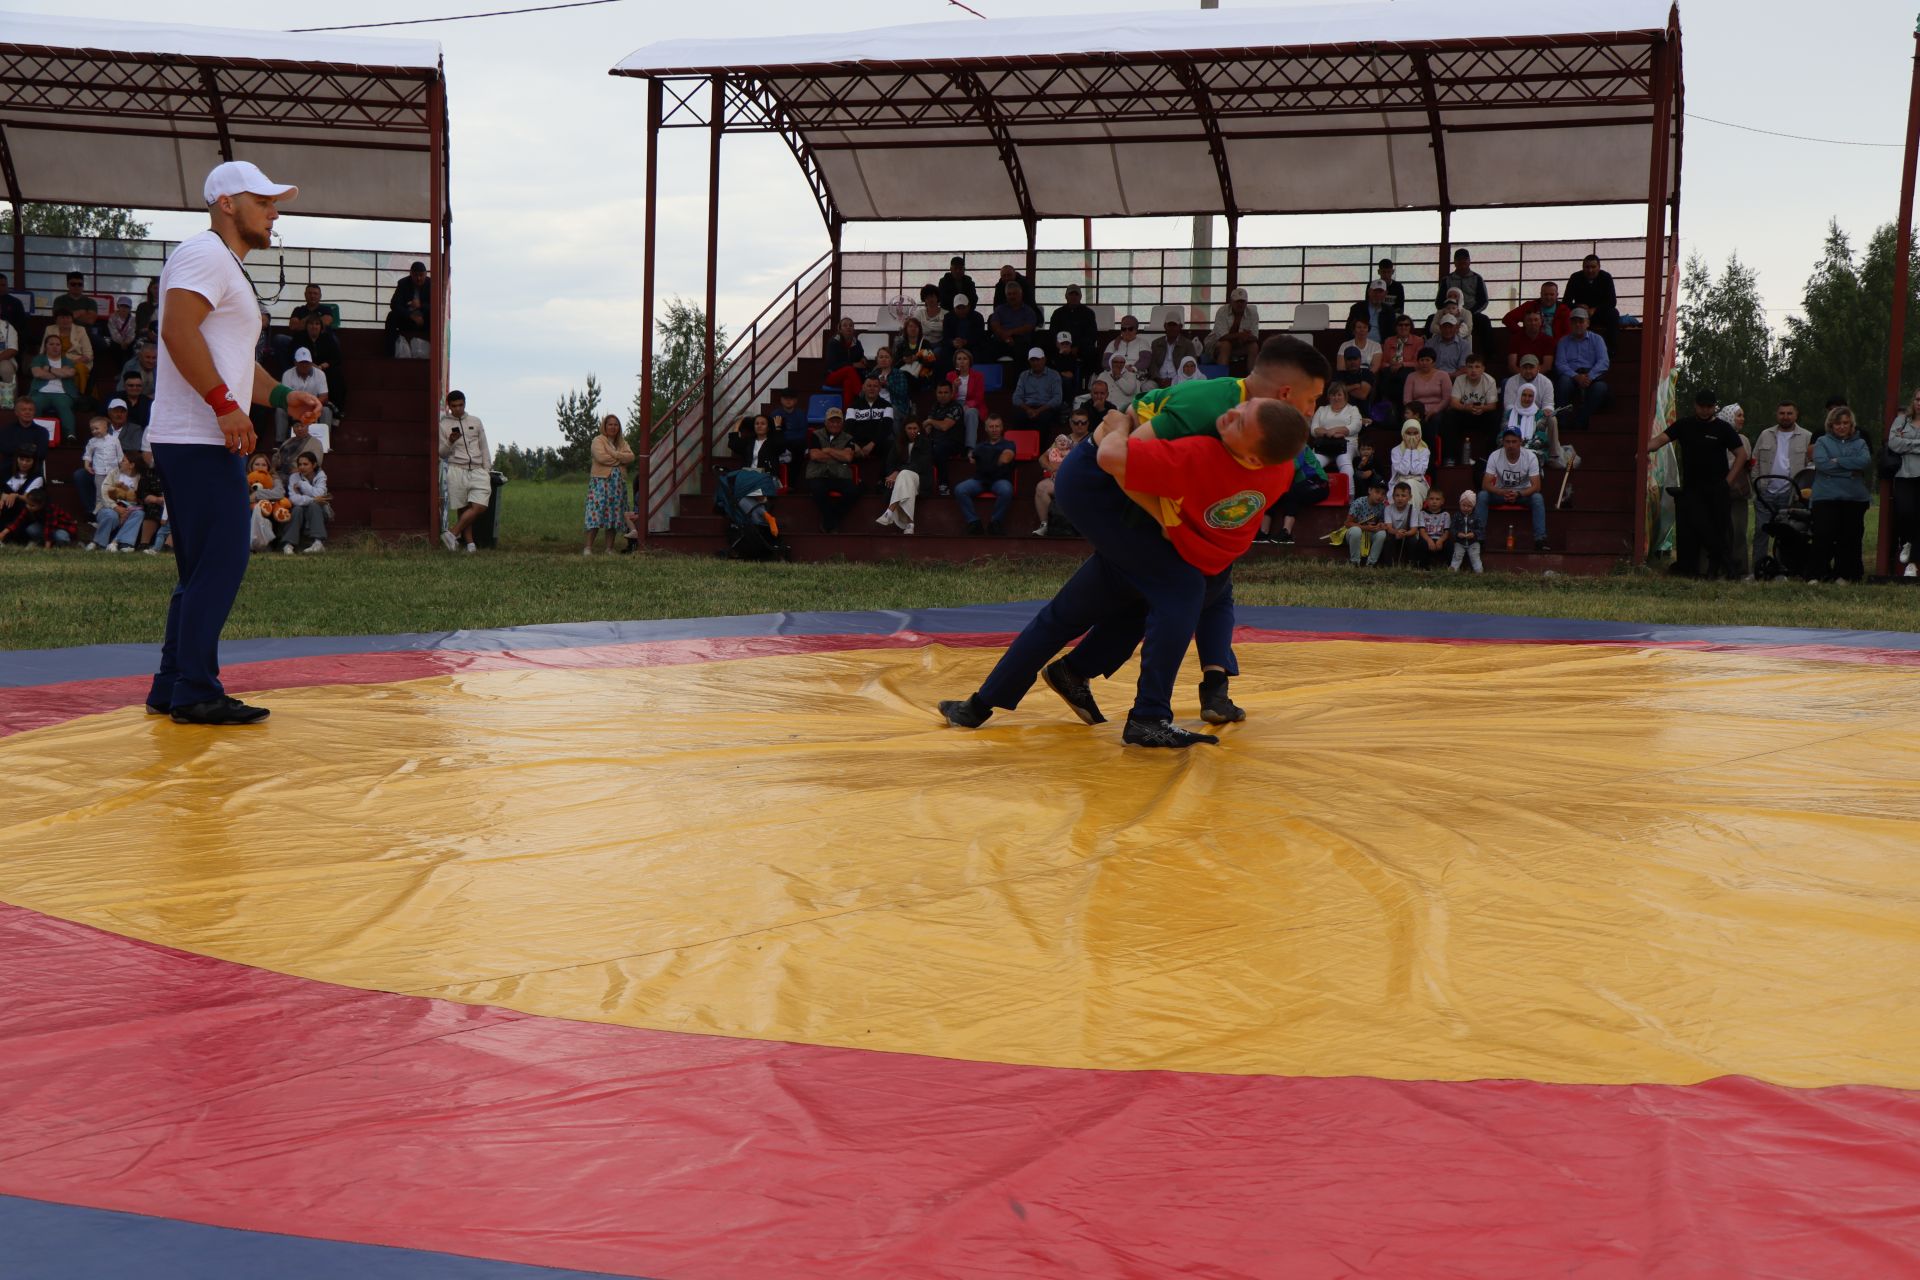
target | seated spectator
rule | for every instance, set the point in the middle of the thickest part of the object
(1075, 319)
(146, 359)
(24, 475)
(1235, 335)
(132, 435)
(1592, 288)
(1367, 468)
(830, 471)
(76, 300)
(1309, 486)
(1376, 310)
(1370, 351)
(152, 497)
(1532, 339)
(9, 362)
(99, 462)
(297, 322)
(1097, 401)
(1038, 395)
(1132, 348)
(1580, 372)
(410, 315)
(52, 377)
(325, 350)
(1398, 357)
(1512, 476)
(118, 513)
(1530, 375)
(1435, 531)
(146, 316)
(932, 314)
(1334, 433)
(1555, 316)
(869, 420)
(955, 283)
(268, 498)
(1473, 408)
(844, 349)
(1409, 463)
(1537, 429)
(970, 389)
(789, 420)
(1355, 377)
(992, 472)
(1013, 325)
(39, 523)
(1122, 381)
(24, 434)
(1166, 353)
(1365, 532)
(303, 376)
(1079, 427)
(1401, 521)
(1396, 292)
(121, 333)
(1466, 536)
(302, 443)
(1475, 327)
(1428, 386)
(1189, 371)
(1009, 278)
(945, 426)
(915, 354)
(13, 312)
(755, 447)
(307, 492)
(907, 474)
(963, 331)
(1450, 349)
(1065, 361)
(78, 345)
(1451, 308)
(894, 384)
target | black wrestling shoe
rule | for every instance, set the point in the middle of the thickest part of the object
(1162, 733)
(154, 709)
(1073, 691)
(961, 713)
(1283, 537)
(1216, 707)
(220, 711)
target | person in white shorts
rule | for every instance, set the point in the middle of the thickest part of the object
(200, 435)
(469, 484)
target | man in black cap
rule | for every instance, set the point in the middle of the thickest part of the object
(410, 314)
(1703, 510)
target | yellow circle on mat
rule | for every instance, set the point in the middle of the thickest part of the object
(1556, 863)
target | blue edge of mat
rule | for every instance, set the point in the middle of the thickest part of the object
(27, 667)
(47, 1241)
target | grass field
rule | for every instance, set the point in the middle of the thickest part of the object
(56, 598)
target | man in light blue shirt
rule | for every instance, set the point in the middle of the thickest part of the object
(1579, 372)
(1037, 395)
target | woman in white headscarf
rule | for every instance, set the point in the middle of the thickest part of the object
(1454, 306)
(1409, 461)
(1739, 552)
(1189, 371)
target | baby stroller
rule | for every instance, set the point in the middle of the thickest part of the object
(744, 497)
(1787, 517)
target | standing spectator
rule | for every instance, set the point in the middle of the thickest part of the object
(908, 473)
(844, 349)
(1235, 335)
(609, 502)
(1473, 407)
(992, 471)
(324, 348)
(1903, 441)
(869, 420)
(1512, 476)
(1166, 353)
(1473, 297)
(1466, 536)
(1592, 288)
(469, 482)
(312, 503)
(99, 463)
(1399, 355)
(1365, 532)
(970, 389)
(1038, 395)
(1396, 292)
(302, 375)
(410, 315)
(1581, 364)
(932, 314)
(1706, 484)
(830, 471)
(956, 282)
(1408, 464)
(301, 443)
(915, 355)
(1131, 347)
(1738, 565)
(963, 331)
(1435, 531)
(1334, 433)
(1121, 381)
(1009, 277)
(1841, 463)
(1428, 386)
(1075, 319)
(1079, 427)
(1013, 324)
(1532, 339)
(1450, 350)
(945, 427)
(1376, 310)
(52, 376)
(1556, 318)
(1780, 454)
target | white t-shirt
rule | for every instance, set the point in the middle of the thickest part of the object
(315, 382)
(1542, 392)
(1513, 473)
(204, 265)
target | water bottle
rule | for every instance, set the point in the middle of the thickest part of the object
(1509, 535)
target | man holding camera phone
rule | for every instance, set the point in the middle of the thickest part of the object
(469, 483)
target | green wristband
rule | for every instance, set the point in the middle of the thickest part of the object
(279, 395)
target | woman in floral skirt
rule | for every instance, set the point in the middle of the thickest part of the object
(608, 503)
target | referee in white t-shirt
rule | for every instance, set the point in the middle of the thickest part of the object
(200, 435)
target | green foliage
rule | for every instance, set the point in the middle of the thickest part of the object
(520, 463)
(578, 415)
(74, 222)
(1840, 346)
(679, 359)
(1725, 341)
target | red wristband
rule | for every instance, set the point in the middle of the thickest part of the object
(221, 400)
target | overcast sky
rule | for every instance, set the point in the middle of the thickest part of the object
(548, 150)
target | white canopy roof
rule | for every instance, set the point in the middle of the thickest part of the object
(108, 112)
(1416, 104)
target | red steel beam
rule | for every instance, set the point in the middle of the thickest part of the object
(437, 332)
(647, 245)
(1438, 141)
(1902, 301)
(717, 126)
(1652, 305)
(14, 197)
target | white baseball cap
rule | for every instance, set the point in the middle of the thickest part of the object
(1035, 353)
(116, 404)
(237, 176)
(303, 354)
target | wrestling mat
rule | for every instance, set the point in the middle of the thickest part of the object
(700, 950)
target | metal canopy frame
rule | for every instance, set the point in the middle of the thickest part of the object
(235, 103)
(1016, 104)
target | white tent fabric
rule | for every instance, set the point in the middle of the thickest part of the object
(1318, 109)
(106, 112)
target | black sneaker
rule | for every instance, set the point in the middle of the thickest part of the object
(998, 528)
(1217, 708)
(973, 528)
(220, 711)
(961, 715)
(1540, 544)
(1162, 733)
(1283, 537)
(1073, 691)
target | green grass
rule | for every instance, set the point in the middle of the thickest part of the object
(56, 598)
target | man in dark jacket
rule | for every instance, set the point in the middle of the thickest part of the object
(956, 281)
(410, 310)
(1592, 288)
(1376, 309)
(1076, 318)
(1473, 296)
